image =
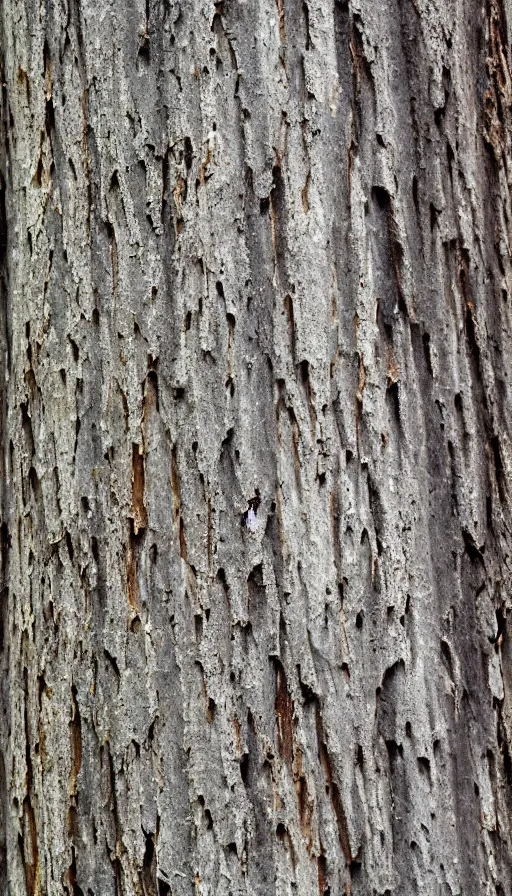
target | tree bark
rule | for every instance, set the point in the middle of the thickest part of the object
(256, 464)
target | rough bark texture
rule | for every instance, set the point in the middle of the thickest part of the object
(256, 262)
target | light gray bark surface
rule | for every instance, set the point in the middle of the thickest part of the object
(256, 255)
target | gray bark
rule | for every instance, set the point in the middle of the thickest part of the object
(256, 257)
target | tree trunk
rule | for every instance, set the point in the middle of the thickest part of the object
(256, 461)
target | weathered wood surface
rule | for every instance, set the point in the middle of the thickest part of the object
(256, 256)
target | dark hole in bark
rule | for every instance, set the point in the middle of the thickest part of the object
(188, 153)
(394, 397)
(149, 851)
(426, 348)
(498, 465)
(381, 197)
(211, 709)
(415, 192)
(244, 768)
(144, 49)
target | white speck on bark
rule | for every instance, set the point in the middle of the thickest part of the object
(251, 522)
